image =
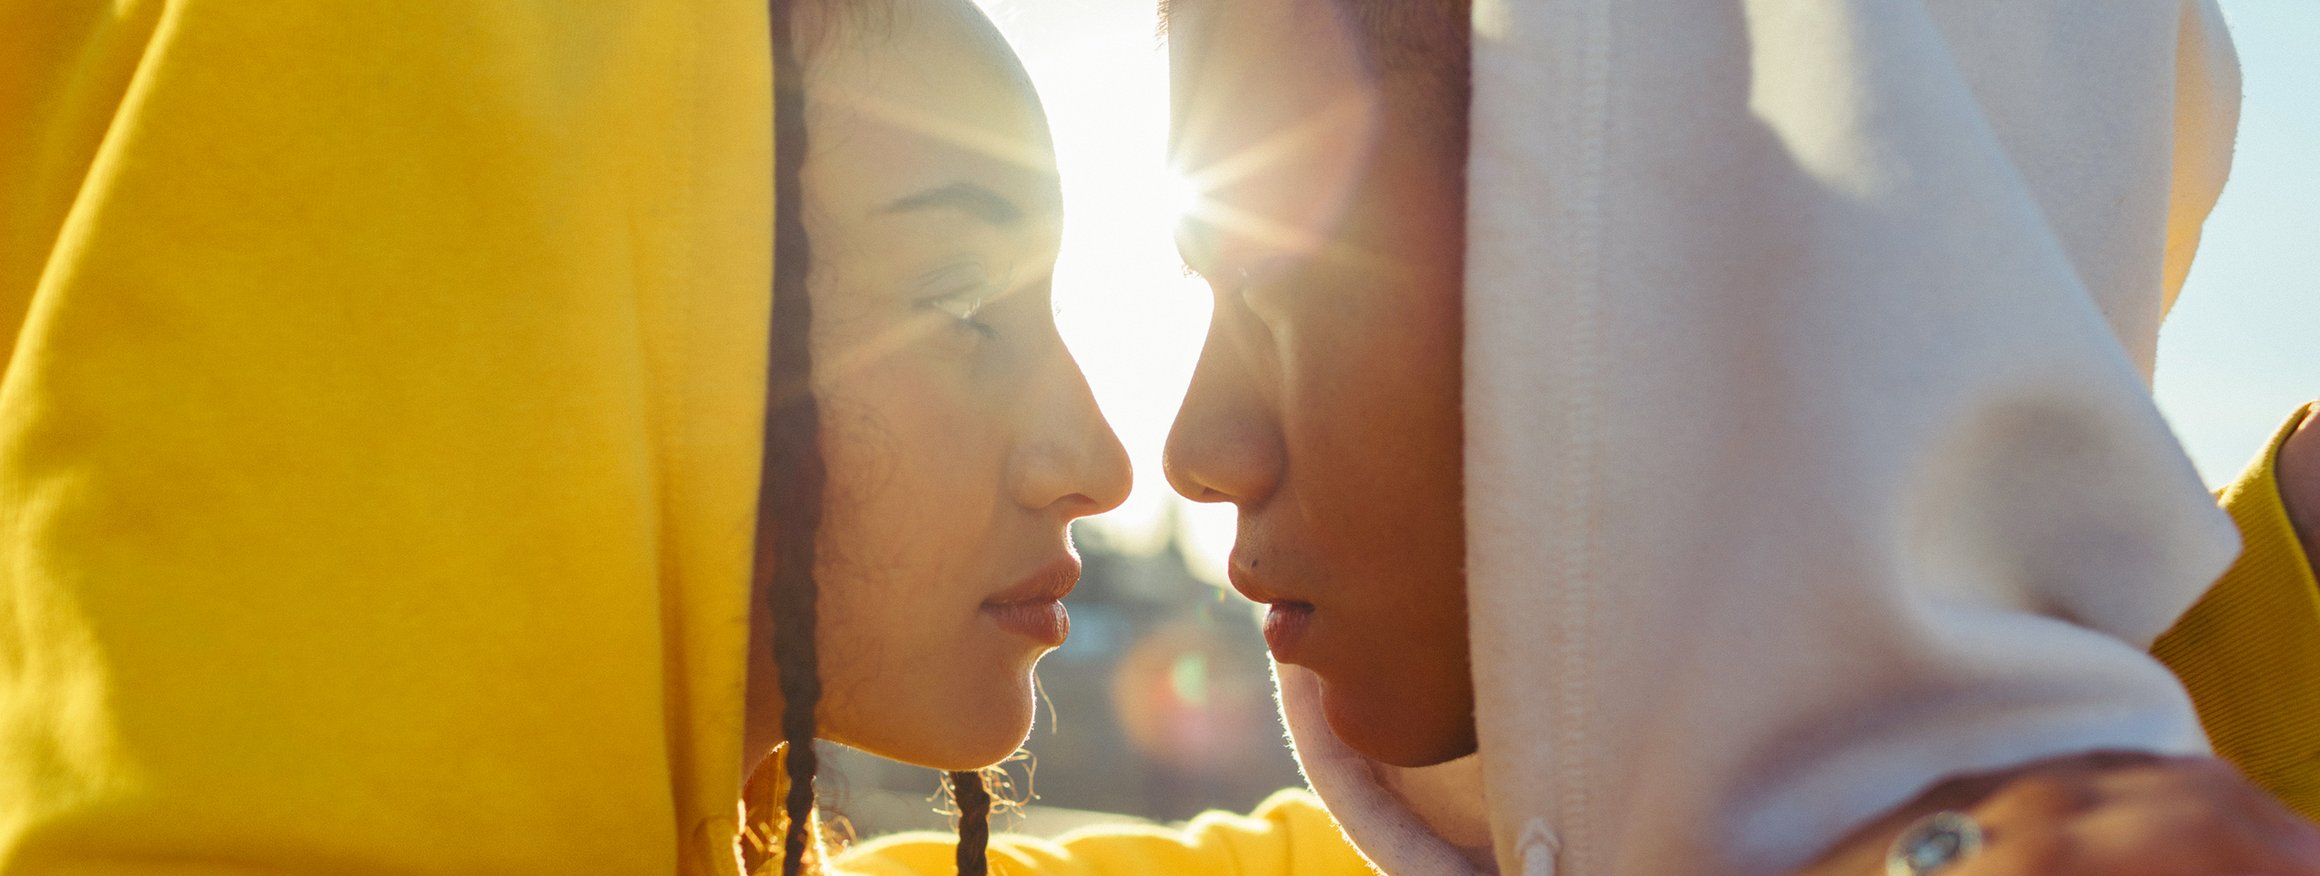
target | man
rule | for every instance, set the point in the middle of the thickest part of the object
(1328, 407)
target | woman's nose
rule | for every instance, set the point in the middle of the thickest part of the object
(1068, 460)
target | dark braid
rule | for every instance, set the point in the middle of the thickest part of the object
(789, 498)
(974, 803)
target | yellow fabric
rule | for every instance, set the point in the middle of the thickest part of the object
(2249, 651)
(378, 434)
(1290, 833)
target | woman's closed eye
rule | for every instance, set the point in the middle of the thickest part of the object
(960, 291)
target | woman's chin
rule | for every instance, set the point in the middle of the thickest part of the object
(969, 749)
(969, 761)
(968, 735)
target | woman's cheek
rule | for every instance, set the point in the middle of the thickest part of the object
(914, 467)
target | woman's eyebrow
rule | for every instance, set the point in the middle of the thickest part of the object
(974, 200)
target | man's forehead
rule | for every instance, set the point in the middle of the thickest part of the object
(1273, 117)
(1256, 78)
(1307, 52)
(1179, 17)
(1216, 42)
(1426, 36)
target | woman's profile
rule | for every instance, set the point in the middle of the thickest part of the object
(929, 438)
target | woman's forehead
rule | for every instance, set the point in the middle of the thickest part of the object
(934, 98)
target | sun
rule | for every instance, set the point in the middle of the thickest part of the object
(1183, 195)
(1131, 317)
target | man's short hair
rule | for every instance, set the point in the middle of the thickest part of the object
(1426, 36)
(1429, 35)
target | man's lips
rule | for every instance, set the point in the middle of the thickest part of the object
(1286, 617)
(1285, 626)
(1033, 608)
(1249, 585)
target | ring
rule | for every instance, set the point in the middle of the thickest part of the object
(1932, 843)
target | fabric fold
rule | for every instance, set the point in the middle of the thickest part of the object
(1810, 455)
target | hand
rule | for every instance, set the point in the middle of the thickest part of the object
(2298, 470)
(2106, 813)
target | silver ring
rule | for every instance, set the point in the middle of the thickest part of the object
(1932, 843)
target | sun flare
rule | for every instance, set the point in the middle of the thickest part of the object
(1125, 308)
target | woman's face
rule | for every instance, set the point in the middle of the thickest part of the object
(960, 437)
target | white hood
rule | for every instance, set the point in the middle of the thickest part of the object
(1809, 451)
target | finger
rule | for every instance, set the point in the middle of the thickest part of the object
(2210, 800)
(2071, 821)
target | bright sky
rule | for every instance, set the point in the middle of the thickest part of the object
(1124, 304)
(2241, 350)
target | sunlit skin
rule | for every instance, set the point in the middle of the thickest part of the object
(1326, 403)
(960, 438)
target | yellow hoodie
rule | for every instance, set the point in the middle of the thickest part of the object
(2249, 652)
(378, 434)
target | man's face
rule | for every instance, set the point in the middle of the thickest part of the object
(1326, 402)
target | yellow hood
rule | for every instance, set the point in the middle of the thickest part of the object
(379, 433)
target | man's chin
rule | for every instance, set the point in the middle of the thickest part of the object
(1394, 730)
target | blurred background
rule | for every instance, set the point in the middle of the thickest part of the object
(1161, 704)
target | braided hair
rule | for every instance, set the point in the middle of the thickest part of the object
(789, 497)
(974, 804)
(790, 486)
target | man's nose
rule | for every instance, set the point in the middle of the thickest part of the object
(1225, 445)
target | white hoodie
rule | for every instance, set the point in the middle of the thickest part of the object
(1809, 452)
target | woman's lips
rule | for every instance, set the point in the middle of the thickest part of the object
(1285, 626)
(1033, 608)
(1044, 622)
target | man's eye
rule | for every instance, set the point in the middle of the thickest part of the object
(1243, 280)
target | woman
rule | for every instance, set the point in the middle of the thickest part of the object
(384, 399)
(958, 437)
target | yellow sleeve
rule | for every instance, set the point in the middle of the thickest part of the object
(2249, 651)
(1290, 834)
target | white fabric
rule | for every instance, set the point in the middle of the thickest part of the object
(1809, 450)
(1399, 835)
